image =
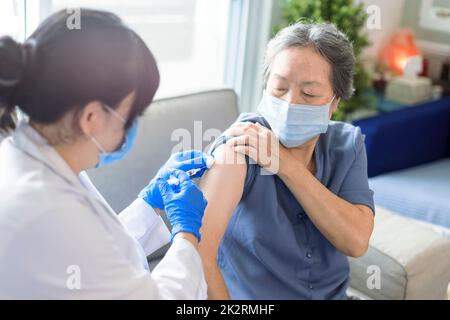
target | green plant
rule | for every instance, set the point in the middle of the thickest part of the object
(348, 17)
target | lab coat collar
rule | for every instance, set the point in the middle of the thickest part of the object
(35, 145)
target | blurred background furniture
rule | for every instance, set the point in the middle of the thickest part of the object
(408, 154)
(409, 168)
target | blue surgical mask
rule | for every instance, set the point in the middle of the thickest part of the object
(294, 124)
(108, 157)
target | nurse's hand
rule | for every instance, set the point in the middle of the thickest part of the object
(186, 160)
(184, 203)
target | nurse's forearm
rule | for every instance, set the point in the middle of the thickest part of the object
(344, 224)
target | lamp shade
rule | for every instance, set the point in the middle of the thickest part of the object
(398, 49)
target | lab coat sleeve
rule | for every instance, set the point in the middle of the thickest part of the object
(181, 268)
(107, 263)
(145, 225)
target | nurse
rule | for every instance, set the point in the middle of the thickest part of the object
(82, 92)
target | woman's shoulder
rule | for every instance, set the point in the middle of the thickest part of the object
(342, 137)
(243, 117)
(252, 117)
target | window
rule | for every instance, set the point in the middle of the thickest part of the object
(187, 37)
(12, 19)
(199, 44)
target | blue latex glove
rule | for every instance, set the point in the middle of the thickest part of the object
(185, 161)
(184, 203)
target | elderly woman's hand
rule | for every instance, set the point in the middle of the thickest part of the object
(260, 144)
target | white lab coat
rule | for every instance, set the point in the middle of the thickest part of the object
(59, 239)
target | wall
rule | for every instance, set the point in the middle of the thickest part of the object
(391, 12)
(410, 20)
(435, 45)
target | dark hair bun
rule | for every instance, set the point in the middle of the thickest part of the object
(12, 69)
(12, 66)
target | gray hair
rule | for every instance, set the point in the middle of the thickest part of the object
(331, 43)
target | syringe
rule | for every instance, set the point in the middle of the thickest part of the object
(174, 180)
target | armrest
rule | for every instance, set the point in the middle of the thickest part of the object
(414, 261)
(407, 137)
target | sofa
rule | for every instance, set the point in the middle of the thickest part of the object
(408, 154)
(409, 161)
(414, 260)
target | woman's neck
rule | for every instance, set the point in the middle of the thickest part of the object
(72, 160)
(70, 152)
(305, 153)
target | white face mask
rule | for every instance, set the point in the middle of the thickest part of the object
(294, 124)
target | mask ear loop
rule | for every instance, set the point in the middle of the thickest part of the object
(115, 113)
(329, 103)
(99, 146)
(118, 116)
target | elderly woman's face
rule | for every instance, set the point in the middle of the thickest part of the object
(301, 76)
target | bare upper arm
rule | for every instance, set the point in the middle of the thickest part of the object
(222, 186)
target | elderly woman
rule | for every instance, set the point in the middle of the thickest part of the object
(287, 235)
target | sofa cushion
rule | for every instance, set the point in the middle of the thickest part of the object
(414, 260)
(421, 192)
